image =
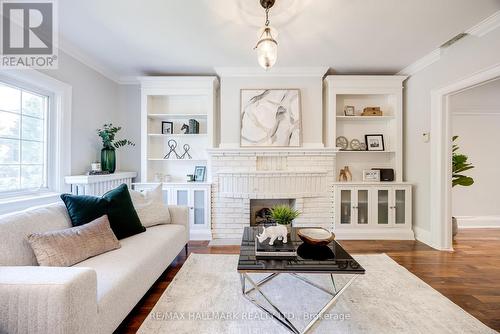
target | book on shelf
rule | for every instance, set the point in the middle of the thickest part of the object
(277, 250)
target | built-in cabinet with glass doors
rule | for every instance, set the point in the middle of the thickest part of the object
(194, 195)
(373, 211)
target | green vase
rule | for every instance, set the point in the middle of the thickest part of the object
(108, 159)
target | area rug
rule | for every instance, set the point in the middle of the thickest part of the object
(205, 297)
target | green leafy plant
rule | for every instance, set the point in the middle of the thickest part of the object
(283, 214)
(107, 134)
(460, 165)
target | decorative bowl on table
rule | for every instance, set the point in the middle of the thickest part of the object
(316, 236)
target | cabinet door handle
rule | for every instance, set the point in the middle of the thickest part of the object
(354, 207)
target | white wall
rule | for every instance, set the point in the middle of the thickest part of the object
(129, 117)
(476, 120)
(94, 102)
(311, 100)
(462, 59)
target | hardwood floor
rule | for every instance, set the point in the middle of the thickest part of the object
(469, 276)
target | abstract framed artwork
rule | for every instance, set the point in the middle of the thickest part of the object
(270, 117)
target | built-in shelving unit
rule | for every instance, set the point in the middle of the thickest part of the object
(361, 92)
(368, 210)
(176, 100)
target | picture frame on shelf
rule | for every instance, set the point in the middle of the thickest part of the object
(375, 142)
(349, 111)
(200, 173)
(167, 128)
(371, 175)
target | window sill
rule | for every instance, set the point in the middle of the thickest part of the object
(22, 202)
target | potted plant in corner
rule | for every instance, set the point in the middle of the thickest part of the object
(108, 155)
(459, 165)
(284, 215)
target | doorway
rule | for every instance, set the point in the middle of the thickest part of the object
(441, 152)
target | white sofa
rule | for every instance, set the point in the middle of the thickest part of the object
(93, 296)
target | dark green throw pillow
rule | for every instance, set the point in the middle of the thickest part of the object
(116, 203)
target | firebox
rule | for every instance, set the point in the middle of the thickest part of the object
(260, 210)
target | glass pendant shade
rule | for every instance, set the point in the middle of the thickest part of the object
(267, 49)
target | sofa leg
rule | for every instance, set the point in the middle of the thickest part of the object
(186, 249)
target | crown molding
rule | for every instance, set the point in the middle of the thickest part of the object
(85, 59)
(319, 71)
(485, 26)
(128, 80)
(421, 63)
(479, 30)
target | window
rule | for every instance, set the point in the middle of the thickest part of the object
(23, 140)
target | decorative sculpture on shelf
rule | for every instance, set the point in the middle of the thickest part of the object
(279, 232)
(186, 151)
(172, 144)
(348, 174)
(185, 127)
(345, 175)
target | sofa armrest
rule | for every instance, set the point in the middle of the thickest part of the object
(48, 300)
(180, 216)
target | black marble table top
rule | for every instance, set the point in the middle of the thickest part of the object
(310, 259)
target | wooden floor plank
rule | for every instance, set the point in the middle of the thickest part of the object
(469, 276)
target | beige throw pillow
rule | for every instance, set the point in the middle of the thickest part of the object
(63, 248)
(150, 207)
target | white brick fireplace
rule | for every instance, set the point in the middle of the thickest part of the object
(239, 175)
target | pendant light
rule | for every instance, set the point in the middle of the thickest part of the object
(267, 47)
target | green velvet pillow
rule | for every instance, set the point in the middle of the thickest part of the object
(116, 203)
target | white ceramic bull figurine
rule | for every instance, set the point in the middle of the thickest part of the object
(273, 232)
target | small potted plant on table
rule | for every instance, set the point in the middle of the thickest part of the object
(284, 215)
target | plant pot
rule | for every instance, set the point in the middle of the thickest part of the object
(288, 227)
(454, 226)
(108, 159)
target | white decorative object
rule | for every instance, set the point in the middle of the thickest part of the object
(371, 175)
(273, 232)
(97, 185)
(270, 117)
(95, 167)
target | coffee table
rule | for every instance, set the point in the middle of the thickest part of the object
(328, 260)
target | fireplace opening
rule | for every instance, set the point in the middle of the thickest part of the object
(260, 210)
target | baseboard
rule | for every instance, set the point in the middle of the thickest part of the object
(478, 221)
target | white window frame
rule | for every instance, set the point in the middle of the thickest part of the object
(59, 137)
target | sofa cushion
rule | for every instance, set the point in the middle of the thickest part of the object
(84, 209)
(150, 207)
(116, 203)
(66, 247)
(124, 275)
(15, 227)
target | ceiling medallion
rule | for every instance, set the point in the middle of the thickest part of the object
(267, 47)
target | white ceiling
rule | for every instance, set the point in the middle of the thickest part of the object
(132, 37)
